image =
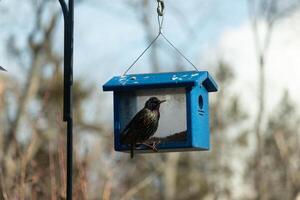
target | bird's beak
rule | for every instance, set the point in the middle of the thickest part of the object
(162, 101)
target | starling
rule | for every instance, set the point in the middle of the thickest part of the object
(143, 125)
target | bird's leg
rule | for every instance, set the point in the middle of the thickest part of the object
(148, 145)
(153, 146)
(132, 147)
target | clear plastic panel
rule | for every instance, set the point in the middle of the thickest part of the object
(172, 112)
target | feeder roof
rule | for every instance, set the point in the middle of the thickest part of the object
(161, 80)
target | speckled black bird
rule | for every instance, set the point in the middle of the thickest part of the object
(143, 125)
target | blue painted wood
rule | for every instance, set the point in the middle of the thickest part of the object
(197, 120)
(188, 116)
(161, 80)
(117, 123)
(200, 119)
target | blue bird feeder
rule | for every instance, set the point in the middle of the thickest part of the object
(184, 118)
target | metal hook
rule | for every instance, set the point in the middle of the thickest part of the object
(161, 7)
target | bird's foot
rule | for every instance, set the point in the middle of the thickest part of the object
(152, 146)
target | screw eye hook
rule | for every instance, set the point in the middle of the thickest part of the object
(160, 8)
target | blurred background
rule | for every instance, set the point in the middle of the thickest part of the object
(250, 47)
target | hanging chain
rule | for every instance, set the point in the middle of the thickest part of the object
(160, 19)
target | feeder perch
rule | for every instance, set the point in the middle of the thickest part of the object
(184, 118)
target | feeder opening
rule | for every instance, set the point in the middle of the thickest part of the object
(200, 102)
(172, 124)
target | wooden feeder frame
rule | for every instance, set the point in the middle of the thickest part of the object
(195, 83)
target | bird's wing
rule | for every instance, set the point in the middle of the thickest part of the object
(134, 125)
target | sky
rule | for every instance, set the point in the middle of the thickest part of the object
(113, 35)
(282, 61)
(109, 36)
(222, 30)
(118, 36)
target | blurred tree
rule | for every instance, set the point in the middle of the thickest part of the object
(264, 15)
(210, 174)
(34, 168)
(281, 149)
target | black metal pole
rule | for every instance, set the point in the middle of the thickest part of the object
(68, 12)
